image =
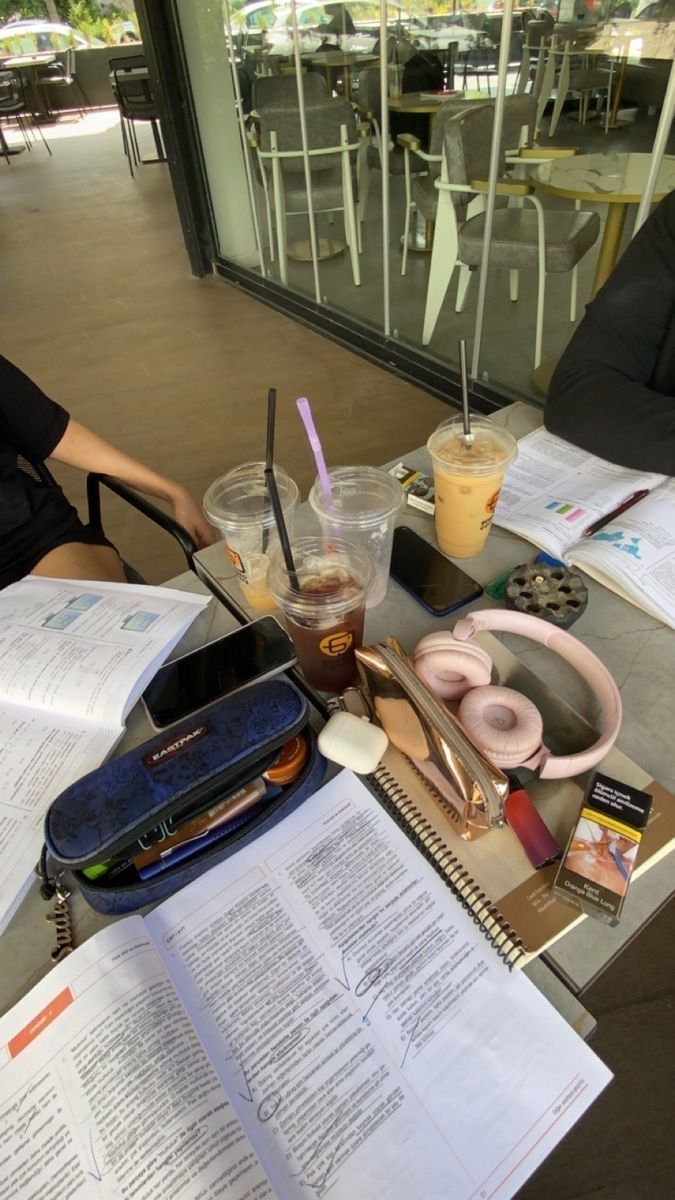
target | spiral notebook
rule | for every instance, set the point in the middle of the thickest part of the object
(491, 877)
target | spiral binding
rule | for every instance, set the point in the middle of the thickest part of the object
(430, 843)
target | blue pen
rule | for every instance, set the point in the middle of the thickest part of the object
(195, 845)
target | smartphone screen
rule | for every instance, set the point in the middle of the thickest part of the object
(189, 683)
(428, 575)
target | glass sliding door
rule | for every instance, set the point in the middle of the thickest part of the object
(434, 171)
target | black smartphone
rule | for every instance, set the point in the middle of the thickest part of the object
(428, 575)
(187, 684)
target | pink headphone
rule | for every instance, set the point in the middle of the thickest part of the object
(500, 722)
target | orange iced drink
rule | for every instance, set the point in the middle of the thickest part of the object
(468, 474)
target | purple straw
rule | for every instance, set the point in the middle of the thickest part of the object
(313, 438)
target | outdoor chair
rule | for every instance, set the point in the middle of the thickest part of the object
(332, 141)
(421, 194)
(13, 107)
(62, 75)
(40, 472)
(523, 238)
(568, 71)
(132, 91)
(533, 58)
(283, 89)
(369, 157)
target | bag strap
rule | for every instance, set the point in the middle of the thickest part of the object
(52, 887)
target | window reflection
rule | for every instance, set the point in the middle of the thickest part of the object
(358, 122)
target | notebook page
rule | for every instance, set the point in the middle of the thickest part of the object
(635, 554)
(369, 1036)
(40, 755)
(87, 649)
(553, 491)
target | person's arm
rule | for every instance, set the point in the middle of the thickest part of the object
(613, 391)
(80, 447)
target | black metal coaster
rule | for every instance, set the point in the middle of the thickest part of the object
(556, 594)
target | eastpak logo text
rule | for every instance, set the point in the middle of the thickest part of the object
(175, 745)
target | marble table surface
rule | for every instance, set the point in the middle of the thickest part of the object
(614, 178)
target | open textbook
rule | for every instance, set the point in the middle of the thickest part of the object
(316, 1016)
(553, 492)
(74, 658)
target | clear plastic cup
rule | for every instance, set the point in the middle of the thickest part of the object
(367, 502)
(239, 507)
(467, 480)
(324, 614)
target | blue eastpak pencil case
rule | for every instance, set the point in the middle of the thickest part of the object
(175, 776)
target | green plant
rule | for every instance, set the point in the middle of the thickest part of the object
(84, 16)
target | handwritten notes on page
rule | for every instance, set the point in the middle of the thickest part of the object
(316, 1016)
(369, 1036)
(105, 1089)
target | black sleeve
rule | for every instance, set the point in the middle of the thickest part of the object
(613, 391)
(30, 422)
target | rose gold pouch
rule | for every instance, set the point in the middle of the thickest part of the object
(471, 790)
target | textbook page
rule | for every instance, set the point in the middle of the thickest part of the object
(635, 554)
(87, 649)
(553, 491)
(40, 755)
(105, 1089)
(371, 1039)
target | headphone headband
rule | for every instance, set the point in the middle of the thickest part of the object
(588, 665)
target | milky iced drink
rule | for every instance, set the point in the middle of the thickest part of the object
(468, 475)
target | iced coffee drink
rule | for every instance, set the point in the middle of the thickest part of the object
(324, 607)
(468, 474)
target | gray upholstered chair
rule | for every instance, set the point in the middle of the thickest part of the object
(568, 71)
(533, 58)
(421, 194)
(283, 89)
(523, 238)
(332, 143)
(370, 150)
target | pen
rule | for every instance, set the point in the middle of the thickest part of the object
(602, 521)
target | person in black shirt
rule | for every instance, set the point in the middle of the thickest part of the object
(613, 391)
(40, 531)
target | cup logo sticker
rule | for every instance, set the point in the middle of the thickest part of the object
(336, 643)
(236, 561)
(491, 504)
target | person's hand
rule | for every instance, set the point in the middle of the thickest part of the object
(190, 516)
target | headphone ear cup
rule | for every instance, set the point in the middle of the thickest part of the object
(450, 668)
(501, 723)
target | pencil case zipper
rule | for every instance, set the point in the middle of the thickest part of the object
(241, 827)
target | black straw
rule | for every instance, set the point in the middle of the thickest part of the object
(465, 390)
(274, 493)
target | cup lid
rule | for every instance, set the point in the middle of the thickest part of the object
(241, 497)
(349, 565)
(361, 496)
(491, 447)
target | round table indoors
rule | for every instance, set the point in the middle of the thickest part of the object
(614, 179)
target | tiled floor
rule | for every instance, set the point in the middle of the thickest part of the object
(100, 308)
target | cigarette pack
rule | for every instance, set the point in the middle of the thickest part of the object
(419, 488)
(602, 851)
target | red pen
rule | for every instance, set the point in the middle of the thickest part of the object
(602, 521)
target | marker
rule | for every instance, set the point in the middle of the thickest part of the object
(602, 521)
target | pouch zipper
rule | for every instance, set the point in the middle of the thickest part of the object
(200, 800)
(242, 827)
(437, 716)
